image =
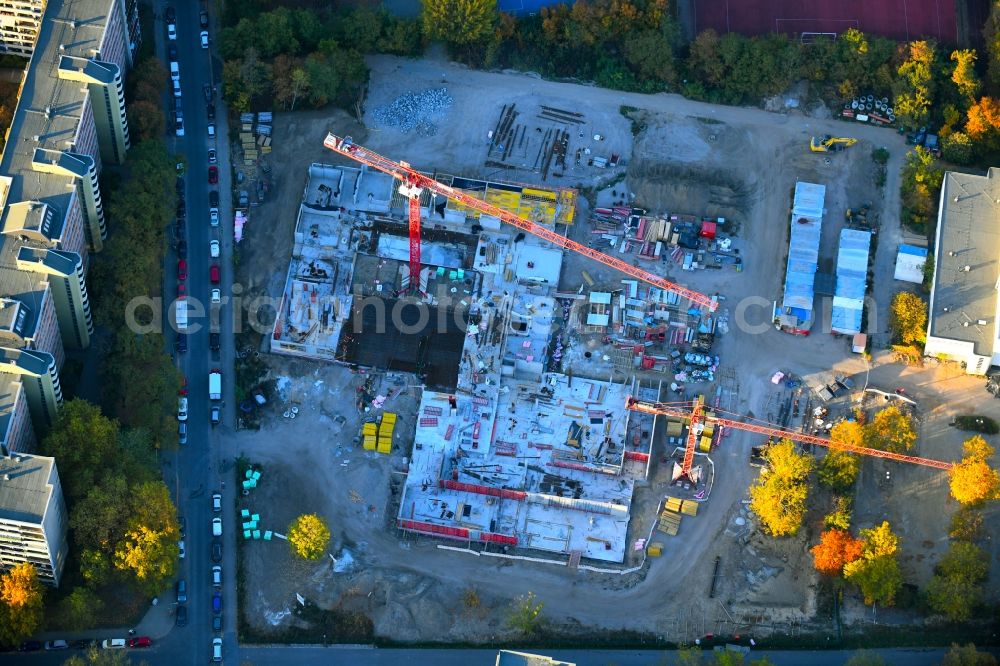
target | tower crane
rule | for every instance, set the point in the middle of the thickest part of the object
(698, 418)
(413, 184)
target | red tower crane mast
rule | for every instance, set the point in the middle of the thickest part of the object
(693, 411)
(415, 181)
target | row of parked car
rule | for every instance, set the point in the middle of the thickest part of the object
(182, 598)
(86, 644)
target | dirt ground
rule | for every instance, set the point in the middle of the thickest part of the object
(741, 164)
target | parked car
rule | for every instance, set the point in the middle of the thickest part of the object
(213, 198)
(216, 502)
(213, 175)
(216, 293)
(217, 622)
(82, 644)
(113, 643)
(182, 616)
(217, 575)
(172, 52)
(212, 159)
(204, 39)
(216, 526)
(216, 551)
(58, 644)
(213, 251)
(177, 87)
(182, 433)
(182, 408)
(182, 249)
(213, 216)
(209, 92)
(182, 338)
(179, 123)
(170, 14)
(213, 344)
(215, 412)
(30, 646)
(213, 274)
(182, 594)
(180, 228)
(203, 19)
(216, 649)
(140, 642)
(216, 602)
(211, 130)
(172, 32)
(180, 549)
(175, 71)
(210, 111)
(181, 210)
(182, 525)
(179, 186)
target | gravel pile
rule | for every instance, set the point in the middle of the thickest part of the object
(415, 112)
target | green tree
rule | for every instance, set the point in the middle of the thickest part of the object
(81, 467)
(459, 22)
(146, 121)
(525, 614)
(779, 496)
(955, 590)
(957, 148)
(967, 655)
(334, 75)
(309, 536)
(78, 609)
(908, 318)
(991, 35)
(890, 430)
(915, 86)
(876, 572)
(20, 603)
(921, 185)
(966, 524)
(838, 470)
(649, 53)
(840, 517)
(866, 658)
(964, 74)
(98, 518)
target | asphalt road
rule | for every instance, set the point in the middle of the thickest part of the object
(197, 471)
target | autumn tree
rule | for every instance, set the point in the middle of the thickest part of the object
(967, 655)
(973, 481)
(915, 85)
(838, 470)
(908, 318)
(459, 22)
(835, 549)
(309, 536)
(964, 74)
(840, 517)
(876, 572)
(920, 188)
(146, 120)
(291, 81)
(20, 603)
(955, 590)
(966, 524)
(982, 122)
(890, 430)
(778, 497)
(95, 657)
(148, 549)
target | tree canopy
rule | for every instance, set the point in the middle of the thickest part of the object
(973, 481)
(20, 603)
(908, 318)
(835, 549)
(778, 497)
(838, 470)
(955, 590)
(309, 536)
(876, 572)
(459, 22)
(890, 430)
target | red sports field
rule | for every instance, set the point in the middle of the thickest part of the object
(898, 19)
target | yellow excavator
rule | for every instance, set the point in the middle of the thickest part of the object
(830, 144)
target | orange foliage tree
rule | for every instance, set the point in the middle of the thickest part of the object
(835, 549)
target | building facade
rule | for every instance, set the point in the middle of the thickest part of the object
(19, 24)
(33, 517)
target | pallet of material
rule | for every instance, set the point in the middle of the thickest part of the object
(370, 434)
(672, 504)
(689, 508)
(669, 523)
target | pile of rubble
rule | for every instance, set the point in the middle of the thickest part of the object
(415, 111)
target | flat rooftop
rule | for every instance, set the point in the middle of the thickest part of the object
(964, 296)
(24, 487)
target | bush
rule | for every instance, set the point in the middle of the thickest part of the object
(983, 424)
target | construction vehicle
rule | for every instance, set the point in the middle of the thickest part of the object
(414, 183)
(698, 422)
(831, 144)
(858, 216)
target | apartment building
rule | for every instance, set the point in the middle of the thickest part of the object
(20, 21)
(33, 517)
(70, 120)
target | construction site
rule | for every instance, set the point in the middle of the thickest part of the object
(567, 384)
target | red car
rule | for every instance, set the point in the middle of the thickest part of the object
(140, 642)
(182, 270)
(213, 274)
(213, 175)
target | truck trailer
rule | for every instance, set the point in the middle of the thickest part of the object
(215, 384)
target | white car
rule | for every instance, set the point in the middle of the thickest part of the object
(175, 71)
(214, 249)
(110, 643)
(213, 216)
(172, 32)
(211, 156)
(211, 130)
(204, 39)
(217, 502)
(216, 649)
(177, 88)
(216, 295)
(217, 575)
(179, 123)
(216, 526)
(182, 409)
(180, 548)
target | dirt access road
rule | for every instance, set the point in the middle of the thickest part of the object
(693, 157)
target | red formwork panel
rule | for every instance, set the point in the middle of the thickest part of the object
(898, 19)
